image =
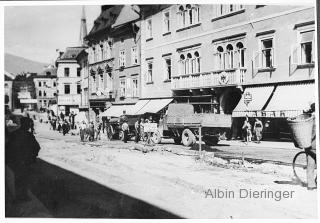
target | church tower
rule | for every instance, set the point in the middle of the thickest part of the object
(83, 28)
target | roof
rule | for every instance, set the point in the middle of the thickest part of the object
(9, 75)
(127, 14)
(48, 72)
(7, 78)
(105, 20)
(72, 53)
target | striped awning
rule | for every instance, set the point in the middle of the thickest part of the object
(260, 96)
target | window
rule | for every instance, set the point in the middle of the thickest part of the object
(149, 29)
(45, 84)
(189, 63)
(227, 9)
(230, 58)
(78, 72)
(135, 89)
(122, 87)
(267, 53)
(167, 69)
(304, 51)
(45, 102)
(40, 93)
(188, 15)
(54, 84)
(78, 89)
(149, 72)
(67, 89)
(44, 93)
(166, 22)
(134, 55)
(39, 83)
(66, 71)
(122, 58)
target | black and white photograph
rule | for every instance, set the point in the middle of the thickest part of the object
(159, 110)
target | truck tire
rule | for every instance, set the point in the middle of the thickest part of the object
(188, 138)
(156, 137)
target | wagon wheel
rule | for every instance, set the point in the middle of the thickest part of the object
(121, 135)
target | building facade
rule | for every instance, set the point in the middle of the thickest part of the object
(46, 88)
(23, 92)
(69, 81)
(230, 59)
(114, 58)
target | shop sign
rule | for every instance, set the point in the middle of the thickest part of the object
(247, 98)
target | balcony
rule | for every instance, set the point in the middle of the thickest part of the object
(69, 99)
(209, 79)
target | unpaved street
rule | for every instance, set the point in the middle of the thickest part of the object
(113, 179)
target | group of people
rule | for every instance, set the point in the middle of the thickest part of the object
(91, 132)
(254, 133)
(140, 134)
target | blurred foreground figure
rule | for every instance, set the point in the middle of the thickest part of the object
(21, 152)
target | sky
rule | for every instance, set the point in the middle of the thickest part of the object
(35, 32)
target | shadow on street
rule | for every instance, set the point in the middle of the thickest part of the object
(68, 195)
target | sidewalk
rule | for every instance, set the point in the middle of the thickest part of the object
(263, 144)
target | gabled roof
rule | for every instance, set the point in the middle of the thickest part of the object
(127, 14)
(105, 20)
(71, 53)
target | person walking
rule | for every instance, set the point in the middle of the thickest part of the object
(137, 125)
(83, 127)
(20, 154)
(247, 130)
(91, 131)
(65, 127)
(257, 129)
(125, 129)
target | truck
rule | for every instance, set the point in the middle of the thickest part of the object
(182, 124)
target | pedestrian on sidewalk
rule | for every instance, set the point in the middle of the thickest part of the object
(65, 127)
(91, 132)
(247, 130)
(125, 129)
(257, 129)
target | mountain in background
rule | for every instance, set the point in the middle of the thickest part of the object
(16, 65)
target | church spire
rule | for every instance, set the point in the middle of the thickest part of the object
(83, 28)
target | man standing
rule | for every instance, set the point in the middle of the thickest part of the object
(21, 152)
(137, 130)
(125, 129)
(83, 127)
(311, 154)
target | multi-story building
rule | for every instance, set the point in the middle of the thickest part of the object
(69, 81)
(101, 61)
(232, 59)
(23, 92)
(8, 79)
(114, 58)
(46, 88)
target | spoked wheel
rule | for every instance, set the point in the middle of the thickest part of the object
(300, 168)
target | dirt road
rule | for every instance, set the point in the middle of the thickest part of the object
(115, 180)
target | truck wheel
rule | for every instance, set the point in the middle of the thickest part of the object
(121, 135)
(156, 137)
(177, 140)
(188, 138)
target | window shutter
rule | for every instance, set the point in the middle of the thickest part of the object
(313, 50)
(257, 60)
(294, 54)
